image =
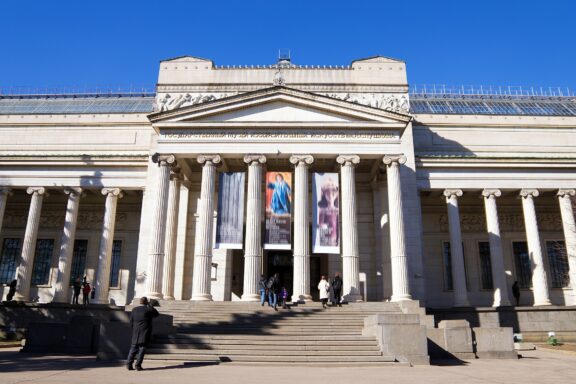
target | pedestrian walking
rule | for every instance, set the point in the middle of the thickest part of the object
(76, 287)
(337, 289)
(273, 286)
(324, 288)
(263, 290)
(284, 295)
(86, 289)
(141, 324)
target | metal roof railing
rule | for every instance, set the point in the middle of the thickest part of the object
(439, 90)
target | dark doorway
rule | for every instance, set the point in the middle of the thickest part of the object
(281, 262)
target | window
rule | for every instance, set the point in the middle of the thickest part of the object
(448, 280)
(115, 267)
(485, 265)
(8, 259)
(42, 260)
(78, 260)
(522, 263)
(558, 262)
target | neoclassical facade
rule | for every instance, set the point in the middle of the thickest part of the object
(443, 197)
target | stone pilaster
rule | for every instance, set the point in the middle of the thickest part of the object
(203, 241)
(171, 232)
(539, 280)
(350, 253)
(24, 274)
(398, 257)
(4, 193)
(253, 247)
(567, 213)
(67, 245)
(158, 227)
(102, 283)
(496, 256)
(456, 251)
(301, 289)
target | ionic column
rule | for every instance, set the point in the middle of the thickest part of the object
(398, 257)
(496, 255)
(67, 245)
(158, 224)
(29, 247)
(456, 251)
(171, 232)
(539, 280)
(4, 193)
(253, 249)
(102, 283)
(301, 290)
(203, 241)
(567, 213)
(350, 253)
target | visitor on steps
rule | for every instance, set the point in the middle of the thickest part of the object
(324, 289)
(273, 286)
(77, 286)
(141, 324)
(263, 289)
(284, 295)
(86, 289)
(337, 290)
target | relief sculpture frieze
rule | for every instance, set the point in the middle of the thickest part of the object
(509, 222)
(52, 219)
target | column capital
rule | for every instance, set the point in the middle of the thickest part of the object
(301, 159)
(254, 158)
(5, 191)
(562, 192)
(175, 173)
(491, 193)
(212, 159)
(73, 191)
(350, 160)
(112, 191)
(529, 193)
(394, 159)
(36, 190)
(164, 159)
(448, 193)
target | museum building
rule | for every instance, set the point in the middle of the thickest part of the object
(227, 173)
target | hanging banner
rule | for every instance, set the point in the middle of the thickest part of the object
(230, 210)
(278, 210)
(326, 204)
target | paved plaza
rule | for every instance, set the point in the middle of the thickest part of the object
(536, 366)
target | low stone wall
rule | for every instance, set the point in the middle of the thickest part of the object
(533, 323)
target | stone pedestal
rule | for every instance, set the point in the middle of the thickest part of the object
(456, 252)
(171, 232)
(350, 253)
(539, 280)
(253, 247)
(496, 255)
(67, 245)
(301, 290)
(398, 258)
(204, 235)
(158, 226)
(24, 274)
(102, 283)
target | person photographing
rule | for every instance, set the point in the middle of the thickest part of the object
(141, 324)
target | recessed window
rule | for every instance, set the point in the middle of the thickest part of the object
(42, 261)
(115, 266)
(485, 265)
(448, 280)
(78, 260)
(522, 263)
(11, 249)
(558, 262)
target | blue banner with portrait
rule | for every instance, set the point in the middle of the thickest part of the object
(278, 234)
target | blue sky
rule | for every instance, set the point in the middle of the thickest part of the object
(119, 43)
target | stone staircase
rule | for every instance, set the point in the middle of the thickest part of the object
(249, 333)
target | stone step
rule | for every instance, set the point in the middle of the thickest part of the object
(265, 347)
(258, 352)
(267, 338)
(334, 360)
(295, 332)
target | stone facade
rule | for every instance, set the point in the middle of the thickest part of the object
(436, 207)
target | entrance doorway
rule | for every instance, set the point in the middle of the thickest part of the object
(281, 262)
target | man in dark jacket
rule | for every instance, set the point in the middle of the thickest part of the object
(337, 289)
(273, 286)
(141, 323)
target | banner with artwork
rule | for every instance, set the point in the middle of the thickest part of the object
(230, 210)
(278, 233)
(326, 205)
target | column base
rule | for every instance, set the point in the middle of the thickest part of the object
(100, 301)
(169, 298)
(251, 297)
(352, 298)
(301, 299)
(154, 295)
(202, 297)
(397, 298)
(19, 297)
(543, 303)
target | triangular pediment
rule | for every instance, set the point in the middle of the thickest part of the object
(279, 105)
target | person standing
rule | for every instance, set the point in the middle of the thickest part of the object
(11, 290)
(284, 295)
(516, 292)
(324, 289)
(273, 285)
(76, 286)
(337, 289)
(86, 289)
(263, 289)
(141, 324)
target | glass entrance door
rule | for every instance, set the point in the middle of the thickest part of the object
(281, 262)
